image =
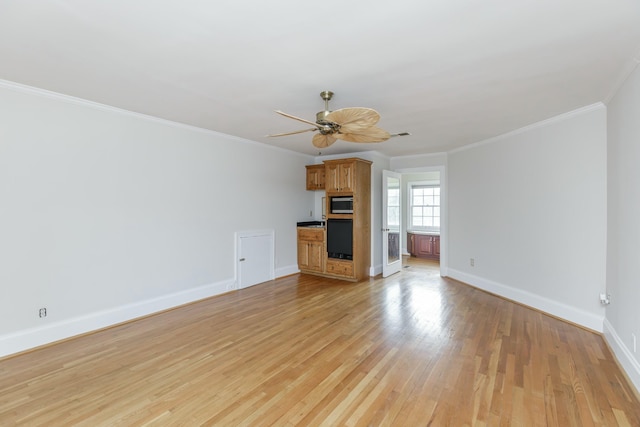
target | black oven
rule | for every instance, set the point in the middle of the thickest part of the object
(340, 238)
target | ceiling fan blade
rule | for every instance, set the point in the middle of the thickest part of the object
(297, 118)
(370, 134)
(354, 119)
(323, 141)
(294, 132)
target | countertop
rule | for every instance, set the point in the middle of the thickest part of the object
(426, 233)
(311, 224)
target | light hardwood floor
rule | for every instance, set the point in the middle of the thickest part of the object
(410, 350)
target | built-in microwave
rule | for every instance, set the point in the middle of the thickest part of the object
(341, 205)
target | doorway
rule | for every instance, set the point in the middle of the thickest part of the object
(426, 176)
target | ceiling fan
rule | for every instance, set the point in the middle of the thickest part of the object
(355, 124)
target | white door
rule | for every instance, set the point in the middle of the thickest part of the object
(255, 262)
(391, 220)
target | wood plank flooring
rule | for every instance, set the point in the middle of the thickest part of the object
(410, 350)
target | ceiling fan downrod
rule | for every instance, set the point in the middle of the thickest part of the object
(322, 115)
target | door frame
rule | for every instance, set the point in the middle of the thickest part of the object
(444, 211)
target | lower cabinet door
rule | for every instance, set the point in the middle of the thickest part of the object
(423, 245)
(310, 256)
(340, 267)
(316, 256)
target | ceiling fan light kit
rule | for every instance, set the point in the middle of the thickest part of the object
(356, 124)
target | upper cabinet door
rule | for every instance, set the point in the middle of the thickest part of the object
(339, 177)
(315, 177)
(346, 177)
(331, 177)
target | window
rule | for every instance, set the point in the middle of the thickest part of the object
(393, 206)
(424, 207)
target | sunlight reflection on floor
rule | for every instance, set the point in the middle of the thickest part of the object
(414, 304)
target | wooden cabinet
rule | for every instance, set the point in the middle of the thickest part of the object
(351, 177)
(423, 245)
(340, 176)
(311, 252)
(315, 177)
(343, 177)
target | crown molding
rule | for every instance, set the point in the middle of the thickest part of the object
(541, 124)
(626, 72)
(43, 93)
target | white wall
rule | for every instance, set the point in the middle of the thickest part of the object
(530, 208)
(107, 215)
(623, 248)
(418, 163)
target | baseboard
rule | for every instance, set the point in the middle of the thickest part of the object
(625, 357)
(35, 337)
(375, 270)
(287, 271)
(569, 313)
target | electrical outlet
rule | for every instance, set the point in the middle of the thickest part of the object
(311, 213)
(42, 312)
(472, 262)
(634, 342)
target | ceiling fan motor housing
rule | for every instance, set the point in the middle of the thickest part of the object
(321, 116)
(327, 128)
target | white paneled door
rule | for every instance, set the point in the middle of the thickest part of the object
(255, 257)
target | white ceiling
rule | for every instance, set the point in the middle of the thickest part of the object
(450, 72)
